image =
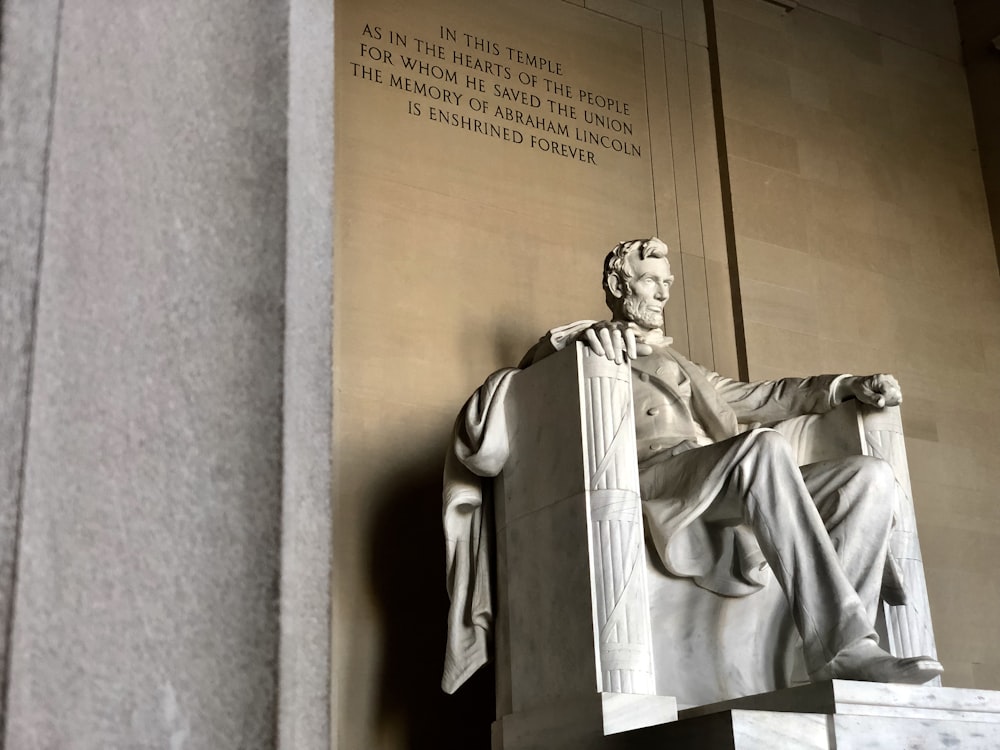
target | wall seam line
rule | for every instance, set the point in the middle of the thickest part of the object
(701, 216)
(649, 128)
(673, 161)
(29, 379)
(725, 184)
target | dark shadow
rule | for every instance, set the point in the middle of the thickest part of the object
(511, 343)
(408, 583)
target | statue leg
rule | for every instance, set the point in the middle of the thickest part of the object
(821, 553)
(855, 497)
(767, 490)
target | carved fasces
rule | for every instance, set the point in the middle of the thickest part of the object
(621, 606)
(908, 626)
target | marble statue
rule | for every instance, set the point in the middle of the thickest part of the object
(723, 501)
(706, 466)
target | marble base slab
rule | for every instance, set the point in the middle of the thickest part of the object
(592, 722)
(832, 715)
(848, 698)
(741, 729)
(846, 715)
(770, 730)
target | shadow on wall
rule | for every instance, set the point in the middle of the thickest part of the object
(408, 582)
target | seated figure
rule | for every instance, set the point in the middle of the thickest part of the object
(823, 529)
(721, 493)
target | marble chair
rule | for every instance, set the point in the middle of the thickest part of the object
(592, 634)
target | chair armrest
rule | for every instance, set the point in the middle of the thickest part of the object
(821, 437)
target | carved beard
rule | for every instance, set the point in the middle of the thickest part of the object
(637, 312)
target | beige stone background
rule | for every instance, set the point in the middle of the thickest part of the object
(454, 252)
(853, 201)
(864, 245)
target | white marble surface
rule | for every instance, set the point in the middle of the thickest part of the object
(544, 584)
(835, 717)
(592, 722)
(831, 717)
(908, 629)
(574, 653)
(623, 712)
(844, 697)
(550, 629)
(762, 730)
(856, 715)
(871, 733)
(585, 609)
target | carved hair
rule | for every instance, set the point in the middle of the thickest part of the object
(616, 262)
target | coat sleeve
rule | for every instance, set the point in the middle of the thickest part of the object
(554, 341)
(769, 401)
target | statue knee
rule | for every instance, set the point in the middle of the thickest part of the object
(875, 472)
(879, 482)
(771, 445)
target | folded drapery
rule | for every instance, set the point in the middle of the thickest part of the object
(478, 450)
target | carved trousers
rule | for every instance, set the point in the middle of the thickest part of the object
(824, 531)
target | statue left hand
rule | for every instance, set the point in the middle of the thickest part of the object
(877, 390)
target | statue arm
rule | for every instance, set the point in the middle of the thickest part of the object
(554, 341)
(614, 339)
(770, 401)
(773, 400)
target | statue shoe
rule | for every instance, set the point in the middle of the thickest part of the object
(866, 662)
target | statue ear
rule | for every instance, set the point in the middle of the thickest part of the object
(615, 286)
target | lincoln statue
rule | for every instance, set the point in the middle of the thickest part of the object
(722, 495)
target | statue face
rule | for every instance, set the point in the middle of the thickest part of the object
(647, 292)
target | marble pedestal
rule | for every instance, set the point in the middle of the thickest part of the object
(842, 715)
(834, 715)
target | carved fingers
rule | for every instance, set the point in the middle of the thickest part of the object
(615, 340)
(878, 390)
(638, 348)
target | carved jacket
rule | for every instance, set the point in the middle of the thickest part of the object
(679, 406)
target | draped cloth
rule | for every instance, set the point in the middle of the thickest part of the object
(478, 450)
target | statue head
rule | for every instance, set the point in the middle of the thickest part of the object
(637, 281)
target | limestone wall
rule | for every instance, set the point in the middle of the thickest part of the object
(474, 209)
(979, 24)
(864, 245)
